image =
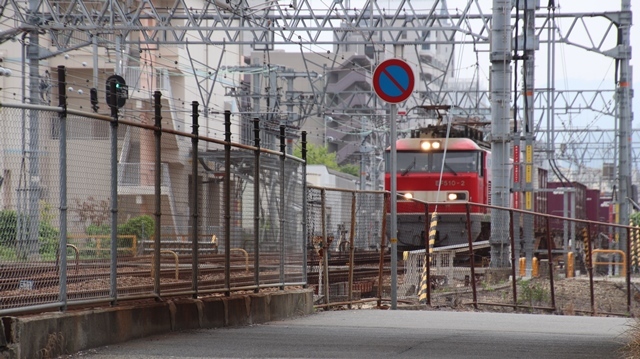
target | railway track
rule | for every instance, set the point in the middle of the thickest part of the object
(90, 279)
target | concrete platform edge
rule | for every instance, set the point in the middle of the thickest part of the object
(49, 335)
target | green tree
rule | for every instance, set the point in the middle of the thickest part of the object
(318, 155)
(351, 169)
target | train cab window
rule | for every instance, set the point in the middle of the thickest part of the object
(456, 161)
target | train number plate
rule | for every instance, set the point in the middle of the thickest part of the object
(451, 183)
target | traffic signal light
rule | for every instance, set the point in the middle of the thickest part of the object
(122, 91)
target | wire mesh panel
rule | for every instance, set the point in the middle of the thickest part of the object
(89, 208)
(369, 213)
(242, 206)
(294, 239)
(29, 184)
(271, 254)
(213, 194)
(211, 221)
(314, 235)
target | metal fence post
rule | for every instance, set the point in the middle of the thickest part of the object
(550, 256)
(352, 234)
(227, 202)
(157, 105)
(471, 258)
(513, 261)
(325, 247)
(305, 234)
(628, 269)
(62, 249)
(283, 157)
(383, 234)
(256, 205)
(590, 268)
(114, 192)
(194, 199)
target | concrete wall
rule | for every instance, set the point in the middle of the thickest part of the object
(51, 334)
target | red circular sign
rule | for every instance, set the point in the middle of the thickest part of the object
(393, 80)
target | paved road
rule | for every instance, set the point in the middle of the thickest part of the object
(391, 334)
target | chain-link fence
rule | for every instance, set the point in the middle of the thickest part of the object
(347, 250)
(574, 266)
(101, 209)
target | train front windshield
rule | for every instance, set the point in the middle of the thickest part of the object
(455, 161)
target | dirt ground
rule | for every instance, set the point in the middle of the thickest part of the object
(571, 296)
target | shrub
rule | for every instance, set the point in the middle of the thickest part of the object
(143, 227)
(48, 235)
(8, 228)
(49, 239)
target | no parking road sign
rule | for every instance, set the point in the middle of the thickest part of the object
(393, 80)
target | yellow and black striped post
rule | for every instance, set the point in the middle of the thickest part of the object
(587, 246)
(635, 237)
(423, 293)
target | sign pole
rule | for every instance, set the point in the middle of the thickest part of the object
(393, 82)
(394, 209)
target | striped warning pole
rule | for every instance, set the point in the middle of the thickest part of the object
(423, 293)
(634, 244)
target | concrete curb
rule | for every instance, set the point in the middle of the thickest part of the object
(52, 334)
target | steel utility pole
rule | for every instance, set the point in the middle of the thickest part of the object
(529, 44)
(29, 220)
(500, 56)
(624, 93)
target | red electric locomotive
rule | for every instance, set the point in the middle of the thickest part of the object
(446, 168)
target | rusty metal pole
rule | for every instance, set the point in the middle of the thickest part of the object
(590, 270)
(194, 199)
(553, 294)
(227, 202)
(383, 234)
(428, 264)
(325, 248)
(256, 206)
(157, 134)
(351, 248)
(283, 222)
(471, 258)
(628, 269)
(513, 262)
(305, 211)
(427, 222)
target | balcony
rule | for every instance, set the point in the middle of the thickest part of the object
(139, 178)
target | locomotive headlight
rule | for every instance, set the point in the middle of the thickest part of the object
(456, 196)
(430, 145)
(408, 195)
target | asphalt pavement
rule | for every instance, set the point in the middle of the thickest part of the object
(390, 334)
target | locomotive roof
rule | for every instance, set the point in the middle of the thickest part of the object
(452, 144)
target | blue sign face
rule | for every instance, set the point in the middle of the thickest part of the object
(393, 80)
